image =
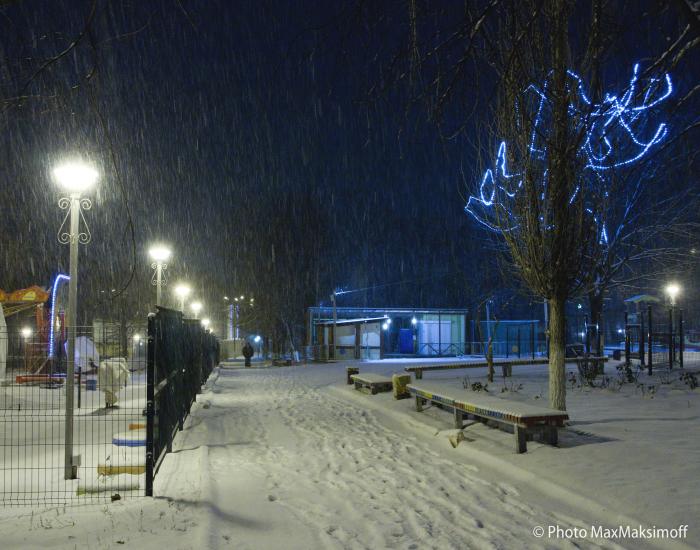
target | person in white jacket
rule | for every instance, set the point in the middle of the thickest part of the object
(112, 376)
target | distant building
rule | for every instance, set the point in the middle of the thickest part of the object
(375, 333)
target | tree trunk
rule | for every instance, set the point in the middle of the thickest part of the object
(557, 354)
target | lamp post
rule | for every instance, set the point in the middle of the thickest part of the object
(414, 324)
(160, 255)
(26, 333)
(335, 322)
(182, 291)
(75, 178)
(673, 290)
(196, 308)
(257, 340)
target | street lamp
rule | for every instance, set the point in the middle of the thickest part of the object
(196, 308)
(75, 178)
(205, 323)
(673, 290)
(182, 291)
(26, 333)
(257, 340)
(160, 255)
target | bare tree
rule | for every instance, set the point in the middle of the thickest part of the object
(552, 190)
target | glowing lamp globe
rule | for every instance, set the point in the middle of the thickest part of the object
(673, 290)
(205, 323)
(196, 307)
(75, 177)
(159, 253)
(182, 290)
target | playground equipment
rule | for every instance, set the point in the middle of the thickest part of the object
(656, 342)
(113, 375)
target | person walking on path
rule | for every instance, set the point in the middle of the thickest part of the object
(247, 353)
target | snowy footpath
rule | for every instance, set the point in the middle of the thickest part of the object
(293, 458)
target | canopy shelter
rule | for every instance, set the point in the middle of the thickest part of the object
(642, 299)
(22, 299)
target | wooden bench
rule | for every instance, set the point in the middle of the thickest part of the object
(372, 383)
(506, 365)
(526, 419)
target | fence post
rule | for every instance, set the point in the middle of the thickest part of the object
(670, 337)
(681, 337)
(507, 341)
(642, 341)
(650, 340)
(532, 339)
(150, 409)
(627, 341)
(599, 342)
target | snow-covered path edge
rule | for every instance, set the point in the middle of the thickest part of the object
(540, 491)
(275, 411)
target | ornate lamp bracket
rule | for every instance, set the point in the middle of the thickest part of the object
(64, 231)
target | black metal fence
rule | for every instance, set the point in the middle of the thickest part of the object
(108, 429)
(122, 372)
(181, 356)
(657, 338)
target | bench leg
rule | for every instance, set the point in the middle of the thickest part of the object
(419, 404)
(419, 374)
(551, 435)
(459, 418)
(358, 386)
(507, 370)
(373, 389)
(520, 434)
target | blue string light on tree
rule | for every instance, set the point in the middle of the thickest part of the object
(617, 132)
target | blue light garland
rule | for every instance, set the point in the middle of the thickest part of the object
(609, 126)
(58, 279)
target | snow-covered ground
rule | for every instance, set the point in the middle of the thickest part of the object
(291, 457)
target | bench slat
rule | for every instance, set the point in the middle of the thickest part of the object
(524, 417)
(370, 378)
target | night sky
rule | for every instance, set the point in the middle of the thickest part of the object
(274, 146)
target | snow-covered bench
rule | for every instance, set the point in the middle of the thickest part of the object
(506, 365)
(525, 418)
(374, 383)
